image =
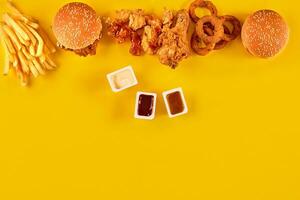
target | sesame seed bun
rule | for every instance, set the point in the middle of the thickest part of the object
(265, 33)
(76, 26)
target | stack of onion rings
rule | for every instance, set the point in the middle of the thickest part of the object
(212, 31)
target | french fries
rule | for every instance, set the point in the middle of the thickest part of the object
(8, 56)
(48, 42)
(16, 27)
(40, 40)
(19, 15)
(24, 62)
(7, 41)
(12, 35)
(27, 47)
(31, 37)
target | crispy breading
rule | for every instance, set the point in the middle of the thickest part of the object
(173, 39)
(166, 37)
(151, 33)
(141, 29)
(135, 18)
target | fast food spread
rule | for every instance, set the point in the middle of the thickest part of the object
(167, 37)
(27, 46)
(78, 28)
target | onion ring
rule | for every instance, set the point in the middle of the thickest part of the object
(217, 28)
(202, 4)
(236, 31)
(196, 43)
(222, 43)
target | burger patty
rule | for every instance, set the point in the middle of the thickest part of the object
(89, 50)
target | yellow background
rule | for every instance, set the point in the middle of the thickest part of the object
(68, 136)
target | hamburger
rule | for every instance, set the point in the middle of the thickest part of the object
(265, 33)
(77, 28)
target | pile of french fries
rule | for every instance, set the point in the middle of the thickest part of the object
(27, 47)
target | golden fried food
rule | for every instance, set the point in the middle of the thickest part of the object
(126, 27)
(167, 17)
(218, 30)
(151, 33)
(236, 24)
(118, 30)
(27, 47)
(138, 27)
(166, 37)
(199, 46)
(173, 39)
(222, 43)
(212, 32)
(135, 18)
(136, 48)
(202, 4)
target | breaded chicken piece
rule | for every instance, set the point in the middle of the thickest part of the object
(151, 34)
(173, 39)
(136, 18)
(141, 29)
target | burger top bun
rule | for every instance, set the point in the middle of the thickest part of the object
(265, 33)
(76, 26)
